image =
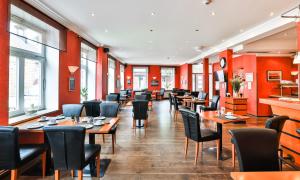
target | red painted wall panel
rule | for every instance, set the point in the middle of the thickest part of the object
(177, 77)
(186, 76)
(101, 72)
(248, 64)
(128, 76)
(154, 72)
(266, 88)
(4, 61)
(70, 57)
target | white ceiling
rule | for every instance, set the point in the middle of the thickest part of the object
(124, 25)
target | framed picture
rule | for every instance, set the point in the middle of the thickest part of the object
(71, 84)
(274, 75)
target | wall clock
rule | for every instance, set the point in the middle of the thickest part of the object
(223, 62)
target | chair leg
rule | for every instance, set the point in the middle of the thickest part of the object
(98, 165)
(14, 174)
(72, 173)
(113, 143)
(44, 161)
(57, 175)
(103, 138)
(196, 152)
(233, 155)
(218, 148)
(186, 147)
(80, 174)
(146, 123)
(115, 137)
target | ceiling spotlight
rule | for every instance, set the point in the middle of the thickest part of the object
(271, 14)
(106, 30)
(206, 2)
(151, 30)
(152, 13)
(197, 30)
(92, 14)
(213, 13)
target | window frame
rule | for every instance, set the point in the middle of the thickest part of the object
(147, 76)
(174, 77)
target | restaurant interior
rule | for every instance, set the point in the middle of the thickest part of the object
(194, 89)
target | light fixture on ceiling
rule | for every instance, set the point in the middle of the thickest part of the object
(271, 14)
(206, 2)
(197, 30)
(152, 13)
(151, 30)
(213, 13)
(288, 14)
(106, 30)
(92, 14)
(297, 58)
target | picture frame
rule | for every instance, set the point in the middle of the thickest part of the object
(274, 75)
(71, 84)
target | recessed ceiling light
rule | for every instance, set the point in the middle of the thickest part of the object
(106, 30)
(151, 30)
(197, 30)
(92, 14)
(213, 13)
(271, 14)
(152, 13)
(223, 40)
(101, 45)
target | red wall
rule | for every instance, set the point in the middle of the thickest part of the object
(4, 61)
(154, 71)
(101, 74)
(248, 64)
(266, 88)
(186, 76)
(70, 57)
(177, 77)
(128, 76)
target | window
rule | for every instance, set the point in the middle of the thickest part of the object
(88, 72)
(140, 78)
(210, 81)
(111, 75)
(26, 70)
(168, 78)
(197, 77)
(122, 77)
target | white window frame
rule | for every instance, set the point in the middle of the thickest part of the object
(133, 75)
(162, 75)
(111, 85)
(122, 76)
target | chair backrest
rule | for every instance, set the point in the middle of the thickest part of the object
(162, 91)
(113, 97)
(109, 109)
(140, 97)
(67, 145)
(170, 98)
(129, 91)
(148, 95)
(180, 93)
(276, 123)
(202, 95)
(257, 149)
(191, 124)
(140, 109)
(9, 148)
(174, 90)
(215, 101)
(194, 93)
(92, 108)
(176, 103)
(123, 93)
(72, 109)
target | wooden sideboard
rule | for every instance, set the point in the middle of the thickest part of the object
(236, 105)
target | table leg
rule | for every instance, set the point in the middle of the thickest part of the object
(139, 125)
(220, 132)
(92, 164)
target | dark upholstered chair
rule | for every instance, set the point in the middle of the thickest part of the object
(177, 104)
(140, 97)
(72, 109)
(256, 148)
(140, 112)
(123, 96)
(13, 155)
(213, 105)
(148, 94)
(92, 108)
(202, 95)
(194, 132)
(180, 93)
(276, 123)
(161, 93)
(69, 151)
(110, 109)
(129, 92)
(113, 97)
(174, 90)
(171, 101)
(195, 93)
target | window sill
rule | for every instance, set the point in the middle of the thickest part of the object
(23, 118)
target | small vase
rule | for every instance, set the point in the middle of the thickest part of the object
(235, 94)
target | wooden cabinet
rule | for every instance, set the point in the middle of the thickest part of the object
(236, 105)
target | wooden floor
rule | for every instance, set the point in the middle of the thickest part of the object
(159, 154)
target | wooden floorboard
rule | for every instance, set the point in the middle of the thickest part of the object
(160, 153)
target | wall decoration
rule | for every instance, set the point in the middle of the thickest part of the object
(154, 83)
(128, 81)
(274, 75)
(249, 77)
(71, 84)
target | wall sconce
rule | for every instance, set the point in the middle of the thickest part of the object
(128, 77)
(294, 73)
(154, 77)
(72, 70)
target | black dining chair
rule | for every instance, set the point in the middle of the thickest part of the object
(129, 92)
(194, 132)
(123, 96)
(171, 101)
(161, 93)
(176, 107)
(213, 105)
(110, 110)
(256, 148)
(69, 150)
(113, 97)
(148, 94)
(202, 96)
(276, 123)
(140, 97)
(70, 110)
(13, 155)
(195, 93)
(140, 112)
(92, 108)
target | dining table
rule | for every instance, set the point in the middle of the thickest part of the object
(220, 120)
(273, 175)
(193, 103)
(31, 127)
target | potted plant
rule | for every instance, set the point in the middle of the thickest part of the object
(236, 83)
(84, 93)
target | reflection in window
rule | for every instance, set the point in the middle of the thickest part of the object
(168, 78)
(140, 78)
(111, 76)
(122, 76)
